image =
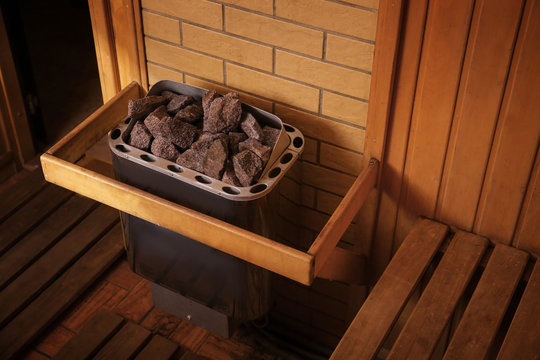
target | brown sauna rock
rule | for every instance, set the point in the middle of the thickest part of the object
(247, 165)
(190, 114)
(255, 146)
(191, 159)
(206, 139)
(215, 159)
(179, 133)
(138, 109)
(140, 137)
(179, 102)
(251, 127)
(207, 100)
(155, 119)
(167, 94)
(234, 139)
(229, 176)
(164, 149)
(270, 136)
(223, 115)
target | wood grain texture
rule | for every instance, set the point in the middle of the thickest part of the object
(159, 348)
(522, 338)
(42, 237)
(528, 230)
(340, 220)
(31, 214)
(493, 31)
(436, 90)
(105, 49)
(483, 315)
(125, 343)
(233, 240)
(516, 138)
(371, 325)
(436, 305)
(42, 272)
(14, 196)
(95, 333)
(398, 134)
(58, 296)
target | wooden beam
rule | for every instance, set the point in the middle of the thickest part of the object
(218, 234)
(340, 220)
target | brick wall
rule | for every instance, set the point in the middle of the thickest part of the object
(307, 61)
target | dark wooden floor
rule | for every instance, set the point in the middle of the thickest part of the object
(45, 233)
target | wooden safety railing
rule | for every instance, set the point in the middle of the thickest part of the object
(59, 168)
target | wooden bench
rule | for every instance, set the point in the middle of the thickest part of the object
(108, 336)
(470, 290)
(53, 245)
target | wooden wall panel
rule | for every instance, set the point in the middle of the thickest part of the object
(517, 136)
(438, 80)
(464, 126)
(398, 132)
(493, 31)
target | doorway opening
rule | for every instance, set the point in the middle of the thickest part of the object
(54, 52)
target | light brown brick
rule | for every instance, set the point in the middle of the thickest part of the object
(344, 19)
(274, 32)
(323, 129)
(302, 216)
(184, 60)
(271, 87)
(349, 52)
(344, 108)
(341, 159)
(265, 6)
(157, 73)
(310, 150)
(324, 75)
(307, 195)
(327, 202)
(290, 189)
(326, 179)
(227, 47)
(161, 27)
(373, 4)
(198, 11)
(245, 98)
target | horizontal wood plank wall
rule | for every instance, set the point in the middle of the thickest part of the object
(467, 157)
(312, 70)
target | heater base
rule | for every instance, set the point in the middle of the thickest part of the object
(190, 310)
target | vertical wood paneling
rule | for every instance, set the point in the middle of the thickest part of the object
(445, 39)
(516, 138)
(398, 133)
(493, 31)
(528, 231)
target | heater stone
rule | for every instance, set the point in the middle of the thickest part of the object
(138, 109)
(191, 159)
(256, 147)
(234, 139)
(140, 137)
(270, 136)
(168, 94)
(229, 176)
(190, 114)
(164, 149)
(251, 127)
(215, 158)
(247, 165)
(223, 115)
(178, 102)
(207, 100)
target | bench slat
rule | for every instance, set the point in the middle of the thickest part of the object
(371, 325)
(92, 337)
(43, 236)
(483, 315)
(18, 193)
(522, 341)
(158, 348)
(27, 325)
(125, 344)
(30, 214)
(41, 273)
(434, 309)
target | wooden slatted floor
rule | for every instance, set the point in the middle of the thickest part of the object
(62, 262)
(471, 295)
